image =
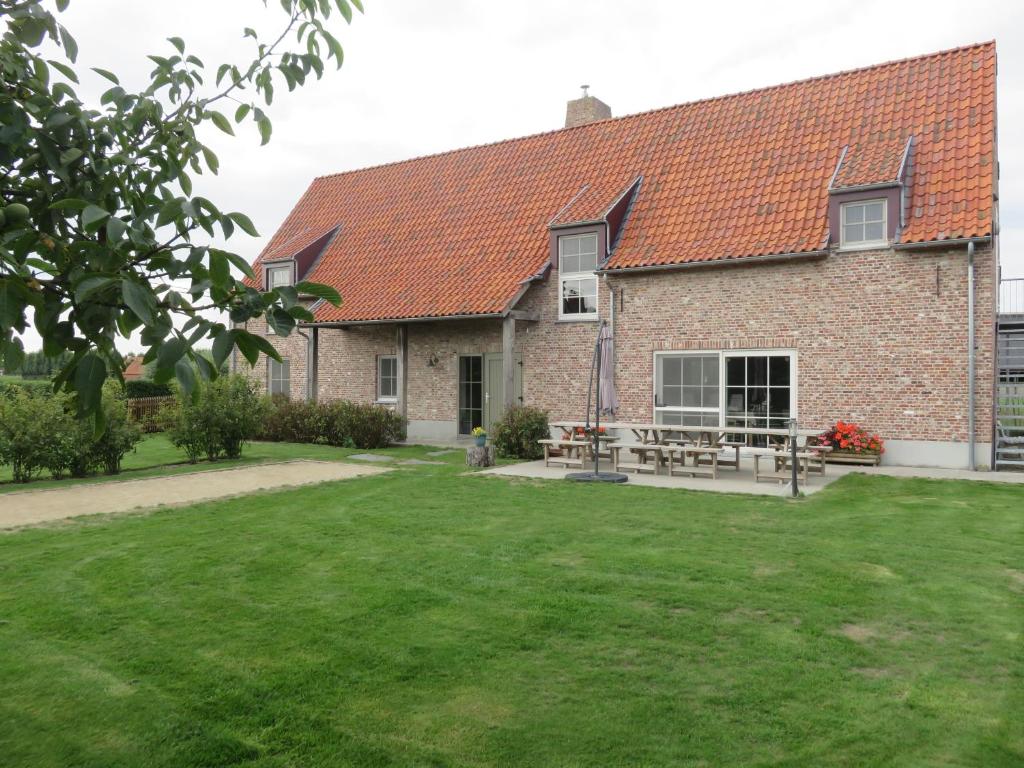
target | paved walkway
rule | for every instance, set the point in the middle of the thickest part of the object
(731, 481)
(31, 507)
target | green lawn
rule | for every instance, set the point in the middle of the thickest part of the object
(156, 456)
(428, 618)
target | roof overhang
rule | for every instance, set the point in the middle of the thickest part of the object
(767, 258)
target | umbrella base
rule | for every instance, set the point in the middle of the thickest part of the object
(597, 477)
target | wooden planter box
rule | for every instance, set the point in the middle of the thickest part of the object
(863, 459)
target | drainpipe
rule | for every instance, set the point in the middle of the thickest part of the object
(310, 364)
(970, 354)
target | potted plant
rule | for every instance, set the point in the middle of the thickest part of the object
(480, 434)
(852, 444)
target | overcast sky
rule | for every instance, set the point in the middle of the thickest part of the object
(422, 76)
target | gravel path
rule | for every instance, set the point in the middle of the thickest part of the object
(30, 507)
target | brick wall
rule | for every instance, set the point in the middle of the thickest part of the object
(880, 336)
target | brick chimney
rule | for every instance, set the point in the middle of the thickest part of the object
(585, 109)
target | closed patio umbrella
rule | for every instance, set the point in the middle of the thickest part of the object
(605, 401)
(609, 401)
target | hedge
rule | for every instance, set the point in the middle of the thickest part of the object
(340, 422)
(146, 388)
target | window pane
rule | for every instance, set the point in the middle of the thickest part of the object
(735, 371)
(671, 396)
(691, 370)
(671, 370)
(588, 244)
(736, 403)
(757, 371)
(874, 231)
(778, 402)
(874, 212)
(710, 370)
(668, 417)
(569, 264)
(570, 245)
(778, 374)
(588, 263)
(757, 401)
(854, 214)
(853, 233)
(710, 420)
(691, 397)
(710, 397)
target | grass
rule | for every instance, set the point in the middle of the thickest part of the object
(155, 456)
(428, 618)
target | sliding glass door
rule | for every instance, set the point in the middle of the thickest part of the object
(742, 389)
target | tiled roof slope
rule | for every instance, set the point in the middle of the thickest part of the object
(725, 178)
(871, 162)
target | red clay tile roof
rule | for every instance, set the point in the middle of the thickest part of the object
(725, 178)
(872, 162)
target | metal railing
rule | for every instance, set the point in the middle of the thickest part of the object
(1011, 296)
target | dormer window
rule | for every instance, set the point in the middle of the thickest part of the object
(279, 276)
(577, 261)
(863, 224)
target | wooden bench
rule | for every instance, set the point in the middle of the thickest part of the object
(640, 452)
(568, 453)
(705, 460)
(779, 461)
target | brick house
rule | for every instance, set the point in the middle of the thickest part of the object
(808, 249)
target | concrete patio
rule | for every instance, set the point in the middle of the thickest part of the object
(732, 481)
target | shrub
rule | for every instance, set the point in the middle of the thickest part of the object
(34, 386)
(224, 415)
(119, 436)
(146, 388)
(294, 421)
(33, 433)
(517, 433)
(362, 425)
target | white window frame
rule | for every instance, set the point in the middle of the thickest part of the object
(564, 277)
(286, 380)
(723, 354)
(861, 244)
(272, 269)
(382, 398)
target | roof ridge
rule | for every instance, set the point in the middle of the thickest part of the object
(694, 102)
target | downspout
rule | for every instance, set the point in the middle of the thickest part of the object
(310, 351)
(970, 354)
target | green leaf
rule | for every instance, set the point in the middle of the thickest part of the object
(346, 11)
(266, 347)
(320, 291)
(223, 343)
(107, 74)
(221, 122)
(90, 373)
(68, 156)
(93, 217)
(246, 343)
(12, 303)
(300, 313)
(115, 229)
(170, 352)
(140, 300)
(69, 204)
(240, 264)
(282, 323)
(211, 160)
(265, 129)
(69, 44)
(220, 269)
(186, 375)
(244, 223)
(241, 112)
(178, 43)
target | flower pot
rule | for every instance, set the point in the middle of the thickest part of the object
(851, 457)
(481, 440)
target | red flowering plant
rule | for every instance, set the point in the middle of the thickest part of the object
(588, 431)
(847, 437)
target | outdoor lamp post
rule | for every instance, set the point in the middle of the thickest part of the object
(792, 454)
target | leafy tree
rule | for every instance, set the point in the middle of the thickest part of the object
(100, 233)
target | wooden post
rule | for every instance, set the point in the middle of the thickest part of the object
(402, 356)
(508, 360)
